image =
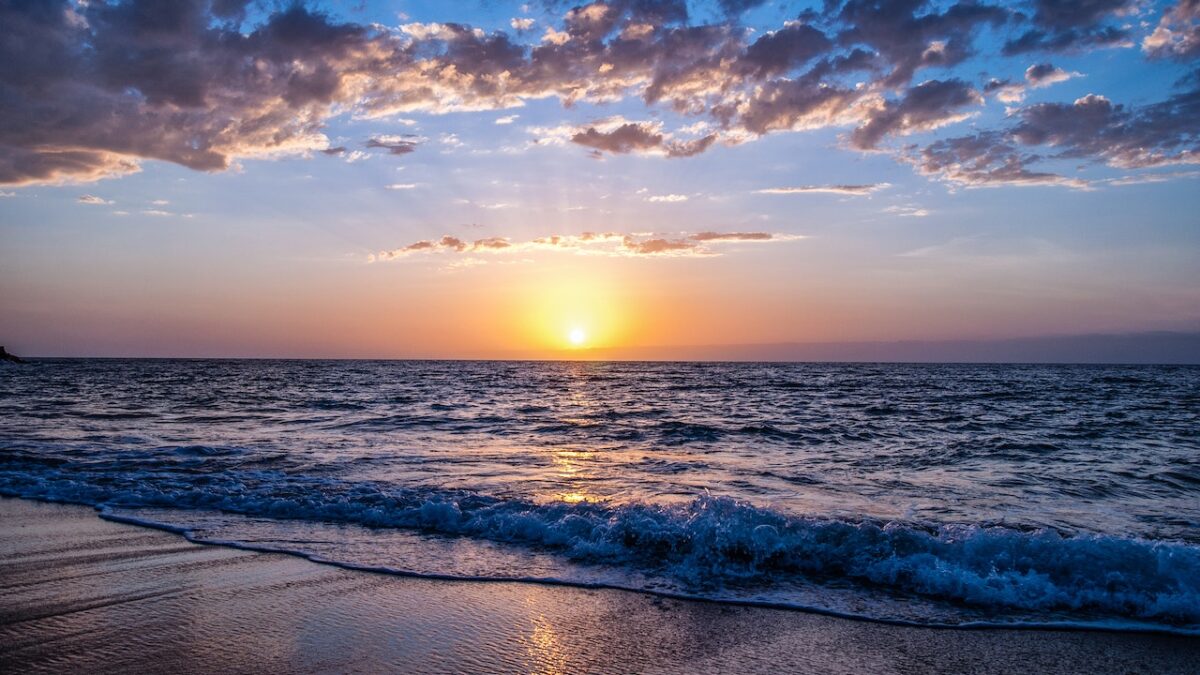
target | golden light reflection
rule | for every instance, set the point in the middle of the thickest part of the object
(570, 468)
(546, 649)
(568, 462)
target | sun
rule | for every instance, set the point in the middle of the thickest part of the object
(577, 337)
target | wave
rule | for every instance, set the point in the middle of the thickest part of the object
(704, 545)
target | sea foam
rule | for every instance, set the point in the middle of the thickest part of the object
(707, 543)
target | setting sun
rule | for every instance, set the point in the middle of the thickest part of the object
(577, 337)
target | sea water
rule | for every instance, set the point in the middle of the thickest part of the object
(928, 494)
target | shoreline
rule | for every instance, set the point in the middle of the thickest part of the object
(90, 593)
(1112, 627)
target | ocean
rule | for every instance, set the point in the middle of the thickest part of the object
(959, 495)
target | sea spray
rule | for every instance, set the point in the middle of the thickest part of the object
(702, 544)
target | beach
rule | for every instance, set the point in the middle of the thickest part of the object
(82, 594)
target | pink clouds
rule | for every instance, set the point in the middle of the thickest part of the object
(589, 243)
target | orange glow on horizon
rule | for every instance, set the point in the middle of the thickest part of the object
(574, 314)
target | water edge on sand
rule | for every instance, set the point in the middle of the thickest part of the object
(86, 595)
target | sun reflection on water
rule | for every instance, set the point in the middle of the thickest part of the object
(546, 649)
(572, 473)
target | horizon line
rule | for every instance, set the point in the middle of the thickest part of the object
(1167, 347)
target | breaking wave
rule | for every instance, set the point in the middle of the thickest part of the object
(702, 546)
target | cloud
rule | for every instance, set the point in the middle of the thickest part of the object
(1154, 135)
(662, 247)
(93, 200)
(58, 165)
(1153, 178)
(848, 190)
(588, 243)
(734, 7)
(81, 114)
(734, 236)
(639, 138)
(798, 105)
(491, 244)
(667, 198)
(907, 211)
(507, 119)
(402, 186)
(624, 139)
(910, 35)
(1177, 34)
(783, 50)
(1073, 25)
(396, 145)
(93, 89)
(1046, 74)
(1091, 128)
(995, 251)
(1037, 76)
(987, 159)
(446, 243)
(925, 107)
(1005, 91)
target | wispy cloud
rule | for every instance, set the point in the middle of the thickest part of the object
(589, 243)
(93, 200)
(848, 190)
(995, 251)
(669, 199)
(160, 213)
(741, 236)
(907, 211)
(1153, 178)
(396, 145)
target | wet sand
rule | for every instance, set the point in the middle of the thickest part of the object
(80, 594)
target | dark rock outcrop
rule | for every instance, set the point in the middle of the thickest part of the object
(12, 358)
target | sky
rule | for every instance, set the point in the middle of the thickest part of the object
(430, 179)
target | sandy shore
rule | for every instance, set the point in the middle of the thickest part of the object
(81, 594)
